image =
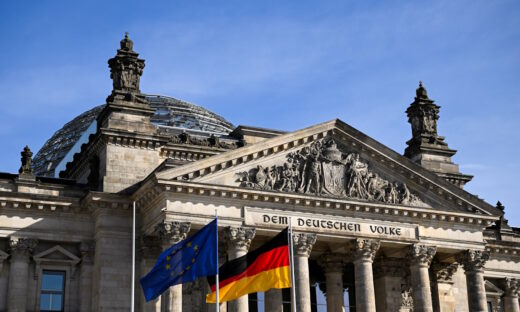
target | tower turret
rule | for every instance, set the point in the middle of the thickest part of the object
(426, 147)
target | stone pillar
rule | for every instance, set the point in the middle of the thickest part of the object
(421, 257)
(149, 249)
(21, 249)
(302, 246)
(85, 283)
(511, 303)
(171, 233)
(273, 300)
(364, 252)
(389, 283)
(333, 265)
(442, 286)
(473, 262)
(238, 241)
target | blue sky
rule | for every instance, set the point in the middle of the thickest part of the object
(283, 65)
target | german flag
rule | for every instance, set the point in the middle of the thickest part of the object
(265, 268)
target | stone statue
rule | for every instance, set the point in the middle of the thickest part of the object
(322, 168)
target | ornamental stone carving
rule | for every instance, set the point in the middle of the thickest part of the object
(406, 298)
(172, 232)
(302, 243)
(239, 238)
(443, 272)
(26, 170)
(364, 249)
(332, 262)
(512, 286)
(421, 255)
(322, 168)
(125, 71)
(474, 260)
(22, 246)
(211, 141)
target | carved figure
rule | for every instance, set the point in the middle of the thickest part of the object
(321, 168)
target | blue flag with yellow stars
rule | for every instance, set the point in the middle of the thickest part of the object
(183, 262)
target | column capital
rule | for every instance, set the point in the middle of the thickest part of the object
(22, 246)
(172, 232)
(512, 286)
(303, 242)
(443, 272)
(474, 260)
(332, 262)
(421, 255)
(364, 249)
(87, 249)
(239, 237)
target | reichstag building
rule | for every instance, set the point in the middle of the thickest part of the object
(374, 229)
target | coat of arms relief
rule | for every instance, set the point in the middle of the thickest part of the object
(322, 168)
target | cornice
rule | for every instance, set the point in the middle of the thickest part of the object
(97, 200)
(38, 202)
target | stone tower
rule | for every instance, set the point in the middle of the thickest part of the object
(426, 147)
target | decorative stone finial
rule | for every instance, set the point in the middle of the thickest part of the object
(423, 115)
(500, 206)
(421, 92)
(127, 44)
(26, 170)
(426, 147)
(125, 71)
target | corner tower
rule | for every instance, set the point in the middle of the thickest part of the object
(426, 147)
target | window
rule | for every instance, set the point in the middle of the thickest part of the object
(53, 290)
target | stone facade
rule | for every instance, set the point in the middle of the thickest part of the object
(398, 232)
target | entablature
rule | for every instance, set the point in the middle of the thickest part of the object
(313, 203)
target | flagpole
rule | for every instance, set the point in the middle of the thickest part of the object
(217, 281)
(291, 254)
(133, 260)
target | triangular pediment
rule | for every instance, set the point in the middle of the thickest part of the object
(330, 160)
(56, 254)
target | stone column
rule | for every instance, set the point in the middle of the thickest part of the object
(364, 252)
(421, 257)
(21, 249)
(302, 246)
(85, 283)
(473, 262)
(149, 249)
(171, 233)
(389, 283)
(442, 285)
(273, 300)
(333, 265)
(238, 241)
(511, 303)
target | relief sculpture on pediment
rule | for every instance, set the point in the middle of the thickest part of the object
(321, 168)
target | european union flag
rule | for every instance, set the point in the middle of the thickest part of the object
(183, 262)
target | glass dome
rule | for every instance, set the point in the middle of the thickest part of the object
(170, 113)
